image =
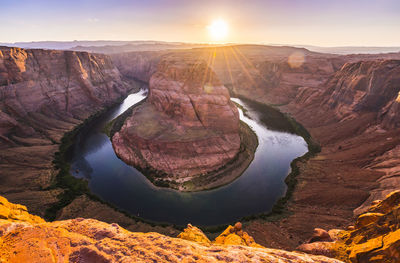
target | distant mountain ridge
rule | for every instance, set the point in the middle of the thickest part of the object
(347, 50)
(106, 46)
(115, 46)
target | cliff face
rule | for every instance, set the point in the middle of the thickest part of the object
(43, 92)
(137, 65)
(188, 126)
(370, 86)
(26, 238)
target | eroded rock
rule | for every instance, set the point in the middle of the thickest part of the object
(187, 127)
(374, 238)
(88, 240)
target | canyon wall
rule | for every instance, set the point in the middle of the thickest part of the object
(370, 90)
(271, 74)
(187, 127)
(137, 65)
(44, 92)
(368, 86)
(43, 95)
(353, 116)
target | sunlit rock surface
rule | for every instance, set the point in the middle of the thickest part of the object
(375, 236)
(27, 238)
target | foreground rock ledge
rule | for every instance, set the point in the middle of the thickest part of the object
(27, 238)
(375, 236)
(187, 126)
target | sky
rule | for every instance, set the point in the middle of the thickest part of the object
(296, 22)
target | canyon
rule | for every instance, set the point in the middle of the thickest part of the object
(44, 95)
(349, 104)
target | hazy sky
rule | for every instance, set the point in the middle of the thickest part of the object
(315, 22)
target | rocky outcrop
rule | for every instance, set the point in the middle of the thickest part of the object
(369, 86)
(16, 213)
(29, 239)
(232, 235)
(187, 127)
(375, 236)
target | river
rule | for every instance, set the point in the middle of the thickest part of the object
(255, 191)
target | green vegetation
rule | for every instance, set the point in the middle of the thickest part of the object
(71, 185)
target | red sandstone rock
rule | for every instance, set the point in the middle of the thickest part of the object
(369, 86)
(188, 125)
(45, 91)
(320, 235)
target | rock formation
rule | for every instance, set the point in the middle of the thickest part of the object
(369, 86)
(362, 100)
(187, 127)
(27, 238)
(232, 235)
(375, 236)
(44, 93)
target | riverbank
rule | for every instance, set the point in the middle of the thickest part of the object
(211, 180)
(72, 186)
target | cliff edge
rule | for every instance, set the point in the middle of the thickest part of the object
(27, 238)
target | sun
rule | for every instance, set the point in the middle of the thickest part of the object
(218, 30)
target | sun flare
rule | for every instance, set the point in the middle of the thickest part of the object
(218, 30)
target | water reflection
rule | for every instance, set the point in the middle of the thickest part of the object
(122, 185)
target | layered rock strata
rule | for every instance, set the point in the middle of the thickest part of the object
(44, 92)
(368, 86)
(187, 127)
